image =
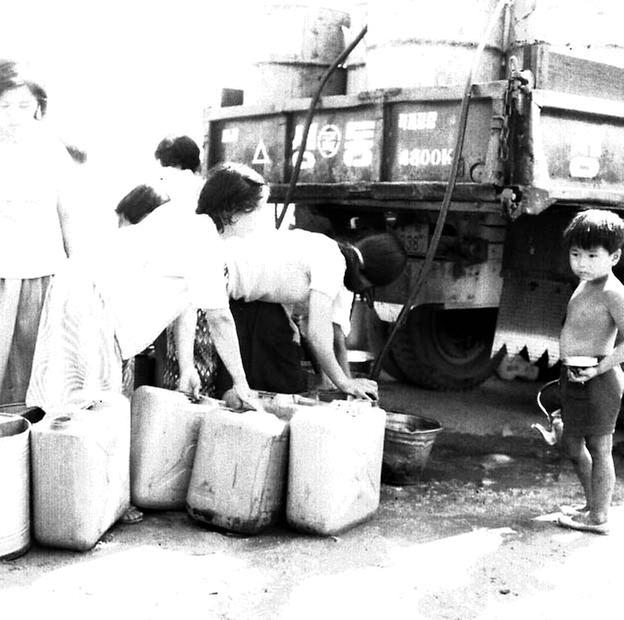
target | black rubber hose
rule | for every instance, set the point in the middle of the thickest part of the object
(308, 121)
(448, 194)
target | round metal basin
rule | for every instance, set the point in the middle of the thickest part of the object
(408, 441)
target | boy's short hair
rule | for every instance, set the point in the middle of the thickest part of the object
(595, 228)
(139, 202)
(230, 189)
(179, 152)
(375, 260)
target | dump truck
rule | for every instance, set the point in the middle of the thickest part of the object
(541, 143)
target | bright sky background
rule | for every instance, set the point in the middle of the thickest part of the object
(121, 74)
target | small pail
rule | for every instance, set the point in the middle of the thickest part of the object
(408, 441)
(32, 414)
(360, 362)
(14, 486)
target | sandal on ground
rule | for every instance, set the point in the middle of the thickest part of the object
(582, 523)
(131, 516)
(575, 509)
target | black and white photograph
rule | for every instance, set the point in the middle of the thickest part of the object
(311, 310)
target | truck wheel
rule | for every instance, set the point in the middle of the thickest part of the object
(377, 331)
(446, 349)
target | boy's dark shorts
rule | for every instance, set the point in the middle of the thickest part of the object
(591, 408)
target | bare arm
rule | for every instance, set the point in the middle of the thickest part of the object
(340, 349)
(321, 340)
(614, 301)
(223, 332)
(70, 204)
(68, 227)
(184, 338)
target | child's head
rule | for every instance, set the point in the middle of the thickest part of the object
(375, 260)
(594, 239)
(20, 98)
(181, 152)
(138, 203)
(595, 228)
(230, 190)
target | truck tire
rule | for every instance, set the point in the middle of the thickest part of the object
(446, 349)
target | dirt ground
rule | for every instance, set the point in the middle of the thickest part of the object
(475, 538)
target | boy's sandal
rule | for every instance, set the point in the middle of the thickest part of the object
(131, 516)
(582, 524)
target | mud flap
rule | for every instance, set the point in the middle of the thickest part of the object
(530, 314)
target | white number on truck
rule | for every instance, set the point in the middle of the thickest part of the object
(416, 121)
(308, 161)
(425, 157)
(359, 142)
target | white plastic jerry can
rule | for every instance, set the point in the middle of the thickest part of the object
(334, 474)
(284, 406)
(165, 426)
(81, 473)
(239, 475)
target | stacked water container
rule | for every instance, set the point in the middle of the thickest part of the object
(239, 473)
(81, 473)
(316, 464)
(319, 464)
(71, 466)
(335, 466)
(165, 429)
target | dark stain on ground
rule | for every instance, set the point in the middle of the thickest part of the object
(499, 464)
(235, 526)
(490, 461)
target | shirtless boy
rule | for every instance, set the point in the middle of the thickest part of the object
(591, 396)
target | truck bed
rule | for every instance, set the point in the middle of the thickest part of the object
(395, 147)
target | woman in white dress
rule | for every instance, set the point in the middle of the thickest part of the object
(37, 229)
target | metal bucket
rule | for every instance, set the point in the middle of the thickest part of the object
(14, 486)
(360, 362)
(32, 414)
(410, 44)
(295, 46)
(407, 444)
(275, 81)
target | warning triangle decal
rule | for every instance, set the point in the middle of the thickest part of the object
(261, 156)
